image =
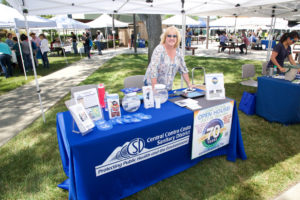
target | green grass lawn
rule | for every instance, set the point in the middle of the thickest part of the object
(30, 165)
(18, 79)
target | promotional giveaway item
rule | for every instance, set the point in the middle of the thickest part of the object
(214, 86)
(148, 97)
(160, 92)
(113, 105)
(131, 102)
(79, 114)
(101, 94)
(212, 128)
(89, 99)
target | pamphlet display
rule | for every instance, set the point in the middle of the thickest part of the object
(113, 105)
(214, 86)
(81, 117)
(212, 127)
(148, 97)
(89, 99)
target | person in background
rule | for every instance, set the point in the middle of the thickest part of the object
(166, 60)
(86, 44)
(74, 43)
(35, 47)
(9, 41)
(131, 39)
(245, 43)
(44, 49)
(26, 52)
(223, 39)
(189, 34)
(18, 53)
(5, 57)
(98, 42)
(282, 51)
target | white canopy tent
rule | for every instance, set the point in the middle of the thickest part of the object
(64, 22)
(199, 7)
(249, 22)
(177, 20)
(11, 18)
(104, 21)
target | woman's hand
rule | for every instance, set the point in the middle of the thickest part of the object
(281, 69)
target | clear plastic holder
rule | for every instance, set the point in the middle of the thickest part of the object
(86, 127)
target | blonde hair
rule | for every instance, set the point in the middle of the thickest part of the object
(167, 31)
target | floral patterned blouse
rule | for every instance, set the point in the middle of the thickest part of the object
(163, 68)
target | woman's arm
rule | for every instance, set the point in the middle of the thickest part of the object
(153, 82)
(187, 79)
(291, 59)
(273, 59)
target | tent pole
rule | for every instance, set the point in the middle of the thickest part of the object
(113, 30)
(207, 31)
(183, 41)
(34, 70)
(270, 38)
(106, 38)
(78, 42)
(134, 32)
(19, 43)
(62, 47)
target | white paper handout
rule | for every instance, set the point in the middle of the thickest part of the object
(214, 86)
(89, 99)
(81, 118)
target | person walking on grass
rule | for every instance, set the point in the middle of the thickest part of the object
(44, 49)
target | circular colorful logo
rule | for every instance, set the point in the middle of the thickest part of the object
(213, 130)
(214, 80)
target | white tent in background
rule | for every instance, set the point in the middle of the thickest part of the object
(64, 22)
(104, 21)
(11, 18)
(177, 20)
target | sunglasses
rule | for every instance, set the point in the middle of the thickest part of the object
(293, 40)
(174, 36)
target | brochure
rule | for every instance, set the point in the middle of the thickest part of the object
(89, 99)
(81, 118)
(113, 105)
(214, 86)
(148, 97)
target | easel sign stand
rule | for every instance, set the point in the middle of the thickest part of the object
(214, 86)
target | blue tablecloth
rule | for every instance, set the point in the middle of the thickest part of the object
(82, 155)
(278, 100)
(266, 42)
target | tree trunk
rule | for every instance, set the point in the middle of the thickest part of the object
(154, 30)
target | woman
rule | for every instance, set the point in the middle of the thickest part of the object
(26, 52)
(283, 50)
(44, 49)
(166, 60)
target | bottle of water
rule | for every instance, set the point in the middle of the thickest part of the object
(275, 70)
(105, 101)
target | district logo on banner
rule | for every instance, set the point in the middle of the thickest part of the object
(211, 128)
(140, 149)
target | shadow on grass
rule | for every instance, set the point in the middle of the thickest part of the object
(31, 168)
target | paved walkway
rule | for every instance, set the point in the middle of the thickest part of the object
(20, 107)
